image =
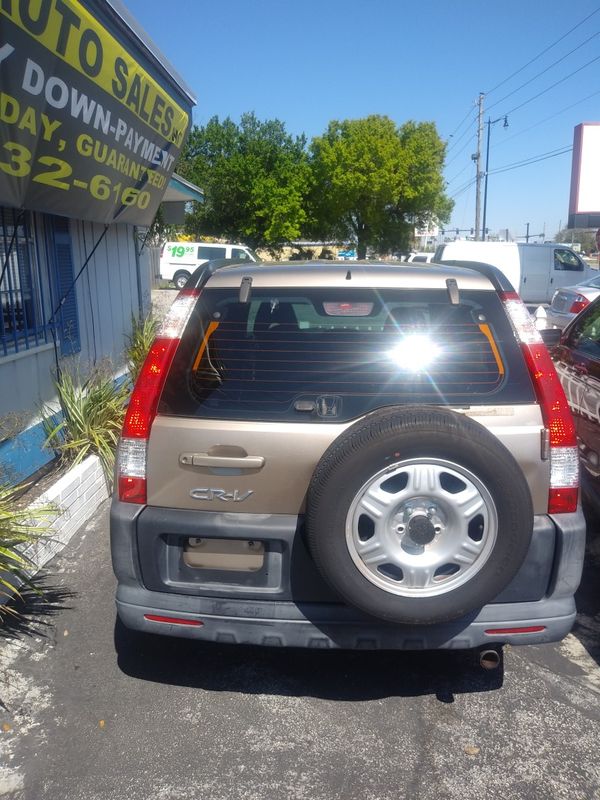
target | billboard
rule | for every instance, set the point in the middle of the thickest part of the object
(88, 126)
(584, 205)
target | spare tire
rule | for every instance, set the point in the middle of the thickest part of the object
(418, 515)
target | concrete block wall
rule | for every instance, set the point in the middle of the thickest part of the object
(76, 495)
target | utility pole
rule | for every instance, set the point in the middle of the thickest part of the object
(477, 160)
(489, 124)
(527, 234)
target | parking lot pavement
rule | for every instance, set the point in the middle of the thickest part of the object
(90, 712)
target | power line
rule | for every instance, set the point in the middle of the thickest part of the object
(463, 188)
(543, 72)
(461, 123)
(456, 141)
(541, 53)
(451, 180)
(546, 119)
(547, 89)
(462, 149)
(532, 160)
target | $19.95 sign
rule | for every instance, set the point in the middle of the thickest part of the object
(85, 130)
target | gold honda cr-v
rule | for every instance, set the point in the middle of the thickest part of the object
(348, 455)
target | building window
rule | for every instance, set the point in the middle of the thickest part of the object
(22, 321)
(33, 308)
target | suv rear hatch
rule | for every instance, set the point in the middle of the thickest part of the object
(258, 390)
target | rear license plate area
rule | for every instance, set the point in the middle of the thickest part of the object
(230, 555)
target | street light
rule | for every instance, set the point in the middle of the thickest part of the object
(490, 122)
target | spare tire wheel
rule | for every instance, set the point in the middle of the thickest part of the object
(418, 515)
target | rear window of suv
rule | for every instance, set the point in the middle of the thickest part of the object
(334, 354)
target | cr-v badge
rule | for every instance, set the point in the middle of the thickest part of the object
(220, 494)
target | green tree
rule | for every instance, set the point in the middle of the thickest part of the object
(585, 237)
(374, 182)
(255, 177)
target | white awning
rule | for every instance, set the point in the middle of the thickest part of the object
(181, 191)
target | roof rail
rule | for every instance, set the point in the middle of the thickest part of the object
(200, 276)
(498, 279)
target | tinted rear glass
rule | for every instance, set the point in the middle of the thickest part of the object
(333, 355)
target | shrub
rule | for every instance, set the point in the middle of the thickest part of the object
(139, 341)
(18, 528)
(92, 416)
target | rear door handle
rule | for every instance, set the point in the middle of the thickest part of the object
(231, 462)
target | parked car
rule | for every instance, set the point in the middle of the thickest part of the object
(179, 259)
(535, 270)
(577, 359)
(569, 301)
(362, 456)
(420, 258)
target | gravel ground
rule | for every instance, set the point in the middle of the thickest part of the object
(161, 300)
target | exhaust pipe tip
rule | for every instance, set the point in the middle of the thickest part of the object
(489, 659)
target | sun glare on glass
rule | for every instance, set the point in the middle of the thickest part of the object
(414, 353)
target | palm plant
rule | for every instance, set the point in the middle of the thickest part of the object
(139, 341)
(92, 416)
(18, 528)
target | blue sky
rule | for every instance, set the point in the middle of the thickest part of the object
(310, 61)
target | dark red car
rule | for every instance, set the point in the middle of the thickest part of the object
(577, 360)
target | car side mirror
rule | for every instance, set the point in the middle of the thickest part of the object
(551, 336)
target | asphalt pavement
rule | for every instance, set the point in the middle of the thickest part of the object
(90, 712)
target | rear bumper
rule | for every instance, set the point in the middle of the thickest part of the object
(296, 610)
(316, 626)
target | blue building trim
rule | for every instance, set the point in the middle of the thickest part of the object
(24, 454)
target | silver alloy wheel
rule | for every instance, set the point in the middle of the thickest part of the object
(421, 527)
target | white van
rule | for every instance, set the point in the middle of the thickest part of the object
(535, 270)
(179, 259)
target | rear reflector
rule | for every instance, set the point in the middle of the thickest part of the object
(173, 620)
(132, 490)
(562, 501)
(564, 454)
(506, 631)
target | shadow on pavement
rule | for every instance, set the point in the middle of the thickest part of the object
(332, 675)
(32, 613)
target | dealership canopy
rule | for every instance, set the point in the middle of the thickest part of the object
(92, 118)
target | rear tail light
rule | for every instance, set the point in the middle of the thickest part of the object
(562, 439)
(132, 455)
(578, 304)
